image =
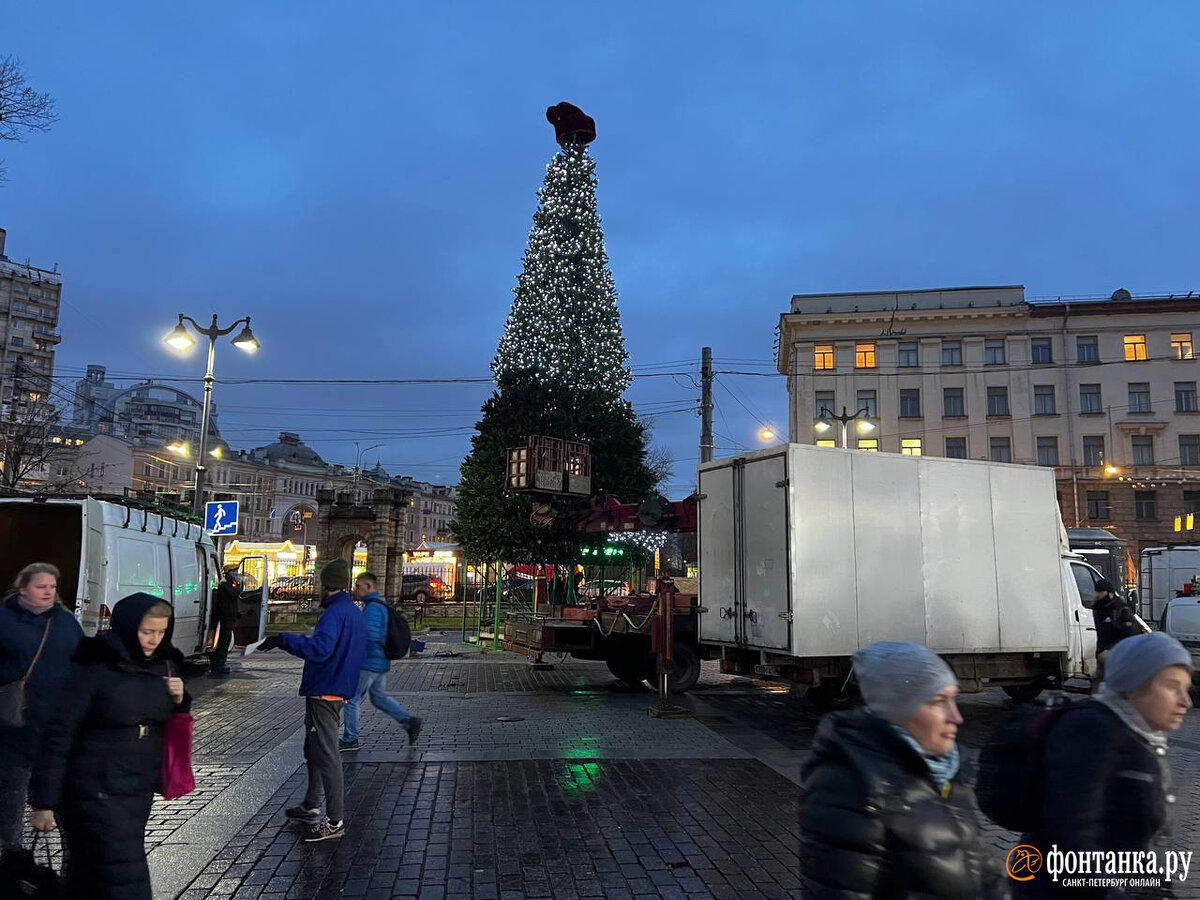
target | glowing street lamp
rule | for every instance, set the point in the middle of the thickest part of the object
(180, 339)
(766, 435)
(862, 424)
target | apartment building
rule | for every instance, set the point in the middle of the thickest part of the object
(29, 303)
(1104, 390)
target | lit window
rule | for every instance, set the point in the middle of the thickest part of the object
(910, 446)
(869, 444)
(823, 356)
(1135, 347)
(1181, 345)
(826, 443)
(864, 356)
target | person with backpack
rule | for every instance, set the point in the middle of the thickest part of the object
(884, 808)
(387, 639)
(1105, 782)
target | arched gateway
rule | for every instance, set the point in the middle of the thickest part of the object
(378, 522)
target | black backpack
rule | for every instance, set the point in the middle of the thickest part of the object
(1009, 787)
(399, 636)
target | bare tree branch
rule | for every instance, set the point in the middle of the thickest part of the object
(22, 109)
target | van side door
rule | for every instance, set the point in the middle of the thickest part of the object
(187, 596)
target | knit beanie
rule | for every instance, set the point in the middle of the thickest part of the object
(898, 677)
(335, 576)
(1135, 660)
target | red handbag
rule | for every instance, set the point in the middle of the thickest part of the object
(177, 777)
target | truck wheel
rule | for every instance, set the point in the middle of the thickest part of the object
(687, 668)
(628, 669)
(1023, 693)
(828, 696)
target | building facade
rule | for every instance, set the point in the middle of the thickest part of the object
(29, 306)
(1102, 390)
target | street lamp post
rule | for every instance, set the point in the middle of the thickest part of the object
(179, 339)
(826, 418)
(358, 455)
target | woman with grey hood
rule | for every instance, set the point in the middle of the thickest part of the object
(883, 809)
(1106, 780)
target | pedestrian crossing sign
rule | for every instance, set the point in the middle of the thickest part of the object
(221, 518)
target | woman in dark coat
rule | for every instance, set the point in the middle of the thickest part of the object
(101, 758)
(38, 635)
(883, 809)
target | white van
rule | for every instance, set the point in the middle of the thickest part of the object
(109, 548)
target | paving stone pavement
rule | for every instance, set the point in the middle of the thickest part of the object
(580, 794)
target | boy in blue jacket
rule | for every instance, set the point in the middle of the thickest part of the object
(373, 680)
(333, 657)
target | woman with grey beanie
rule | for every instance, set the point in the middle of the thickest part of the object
(1106, 781)
(883, 812)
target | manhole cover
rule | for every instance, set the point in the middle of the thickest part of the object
(510, 718)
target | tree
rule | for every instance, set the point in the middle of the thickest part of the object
(561, 370)
(30, 455)
(22, 109)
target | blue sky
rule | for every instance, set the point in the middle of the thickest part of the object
(360, 179)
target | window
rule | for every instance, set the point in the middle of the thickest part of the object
(823, 403)
(826, 443)
(1139, 397)
(1098, 506)
(910, 403)
(993, 352)
(956, 448)
(1041, 351)
(1145, 505)
(1093, 450)
(823, 356)
(910, 446)
(1043, 400)
(1181, 345)
(951, 353)
(909, 357)
(18, 341)
(1191, 502)
(867, 400)
(870, 444)
(864, 355)
(997, 399)
(1189, 449)
(1185, 396)
(1135, 347)
(953, 406)
(1143, 450)
(1047, 451)
(1000, 449)
(1089, 400)
(1087, 349)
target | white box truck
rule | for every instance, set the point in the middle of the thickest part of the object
(809, 553)
(1162, 573)
(109, 548)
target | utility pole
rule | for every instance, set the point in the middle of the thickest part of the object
(706, 405)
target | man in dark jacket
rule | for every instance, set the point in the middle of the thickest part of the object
(333, 656)
(224, 615)
(1114, 622)
(28, 616)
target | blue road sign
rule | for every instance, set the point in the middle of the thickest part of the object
(221, 518)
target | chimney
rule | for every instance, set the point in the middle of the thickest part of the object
(3, 235)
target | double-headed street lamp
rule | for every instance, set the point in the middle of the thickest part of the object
(180, 339)
(826, 419)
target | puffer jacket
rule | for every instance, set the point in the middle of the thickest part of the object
(101, 764)
(874, 824)
(1103, 788)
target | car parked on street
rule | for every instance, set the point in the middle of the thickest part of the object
(422, 588)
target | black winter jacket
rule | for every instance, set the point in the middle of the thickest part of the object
(874, 824)
(1103, 788)
(1114, 622)
(20, 634)
(101, 765)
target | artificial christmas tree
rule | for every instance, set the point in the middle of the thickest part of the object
(561, 369)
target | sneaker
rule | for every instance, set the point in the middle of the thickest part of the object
(325, 831)
(346, 746)
(303, 814)
(414, 729)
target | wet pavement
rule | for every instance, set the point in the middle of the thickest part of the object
(524, 783)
